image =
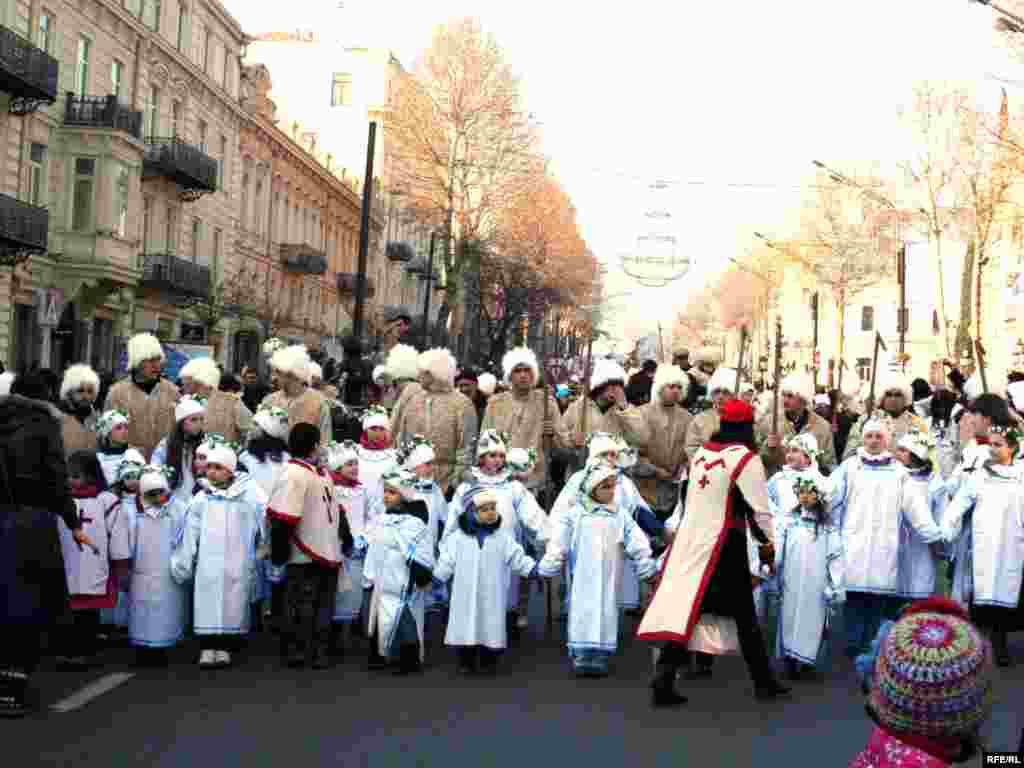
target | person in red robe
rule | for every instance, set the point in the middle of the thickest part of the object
(704, 600)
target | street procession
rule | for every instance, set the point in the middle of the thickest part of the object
(495, 444)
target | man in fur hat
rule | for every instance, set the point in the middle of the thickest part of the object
(397, 323)
(78, 392)
(440, 413)
(148, 399)
(896, 399)
(720, 388)
(225, 415)
(681, 358)
(796, 396)
(303, 404)
(606, 410)
(520, 412)
(667, 424)
(704, 363)
(402, 369)
(638, 391)
(467, 381)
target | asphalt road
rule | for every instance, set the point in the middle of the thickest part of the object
(534, 713)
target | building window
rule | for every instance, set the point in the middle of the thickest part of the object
(197, 237)
(82, 65)
(151, 12)
(44, 31)
(207, 41)
(116, 77)
(222, 180)
(84, 185)
(867, 318)
(171, 237)
(341, 89)
(864, 368)
(151, 125)
(202, 135)
(257, 198)
(121, 200)
(244, 205)
(176, 127)
(215, 258)
(227, 67)
(147, 222)
(37, 174)
(182, 28)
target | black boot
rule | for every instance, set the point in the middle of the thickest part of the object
(467, 660)
(663, 687)
(792, 669)
(337, 649)
(769, 690)
(375, 661)
(13, 687)
(1001, 648)
(409, 660)
(321, 657)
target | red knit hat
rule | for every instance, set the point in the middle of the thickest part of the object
(737, 412)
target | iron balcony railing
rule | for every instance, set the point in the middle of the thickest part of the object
(297, 257)
(102, 112)
(168, 272)
(27, 73)
(189, 167)
(23, 226)
(347, 282)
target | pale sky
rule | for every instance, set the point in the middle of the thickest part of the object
(729, 101)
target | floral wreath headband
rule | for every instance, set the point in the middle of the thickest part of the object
(797, 443)
(409, 447)
(153, 469)
(1011, 433)
(273, 412)
(217, 440)
(924, 439)
(492, 441)
(111, 419)
(808, 485)
(528, 465)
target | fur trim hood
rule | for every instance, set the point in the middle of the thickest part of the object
(666, 375)
(799, 384)
(895, 380)
(403, 362)
(440, 364)
(142, 347)
(294, 360)
(203, 370)
(76, 377)
(723, 379)
(517, 357)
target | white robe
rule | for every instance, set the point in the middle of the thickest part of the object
(362, 512)
(87, 571)
(917, 563)
(480, 587)
(992, 504)
(395, 542)
(120, 615)
(961, 586)
(159, 604)
(268, 475)
(373, 465)
(218, 548)
(110, 463)
(809, 570)
(430, 494)
(188, 481)
(596, 540)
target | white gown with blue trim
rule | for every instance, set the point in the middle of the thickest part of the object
(159, 604)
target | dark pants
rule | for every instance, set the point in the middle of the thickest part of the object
(80, 635)
(863, 615)
(229, 643)
(309, 606)
(480, 657)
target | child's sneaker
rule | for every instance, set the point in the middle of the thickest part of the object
(208, 659)
(223, 658)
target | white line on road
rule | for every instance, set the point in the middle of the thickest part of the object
(93, 690)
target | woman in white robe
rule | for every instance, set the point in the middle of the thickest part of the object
(418, 457)
(927, 492)
(479, 556)
(178, 449)
(596, 538)
(158, 602)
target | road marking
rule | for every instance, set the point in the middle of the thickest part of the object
(93, 690)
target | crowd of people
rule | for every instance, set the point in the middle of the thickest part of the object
(194, 509)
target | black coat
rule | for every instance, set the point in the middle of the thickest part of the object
(33, 492)
(638, 391)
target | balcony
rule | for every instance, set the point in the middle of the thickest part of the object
(27, 73)
(23, 230)
(296, 257)
(169, 273)
(102, 112)
(399, 252)
(347, 282)
(189, 167)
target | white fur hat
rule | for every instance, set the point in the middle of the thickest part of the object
(491, 441)
(223, 455)
(973, 387)
(601, 443)
(521, 460)
(379, 374)
(707, 356)
(605, 372)
(203, 370)
(724, 379)
(273, 421)
(1015, 392)
(918, 443)
(153, 478)
(439, 363)
(486, 383)
(879, 421)
(805, 443)
(142, 347)
(188, 406)
(316, 371)
(422, 453)
(294, 360)
(340, 454)
(76, 377)
(6, 380)
(667, 375)
(597, 473)
(272, 345)
(799, 384)
(890, 380)
(515, 358)
(132, 463)
(402, 363)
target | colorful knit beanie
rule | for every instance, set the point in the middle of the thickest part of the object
(934, 673)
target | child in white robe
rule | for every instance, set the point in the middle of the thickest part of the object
(126, 488)
(918, 561)
(377, 454)
(112, 442)
(178, 449)
(361, 511)
(218, 548)
(991, 503)
(266, 456)
(808, 567)
(518, 509)
(92, 573)
(418, 457)
(399, 565)
(479, 556)
(159, 604)
(596, 537)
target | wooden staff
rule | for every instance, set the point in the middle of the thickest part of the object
(546, 446)
(778, 375)
(586, 389)
(874, 371)
(739, 361)
(979, 353)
